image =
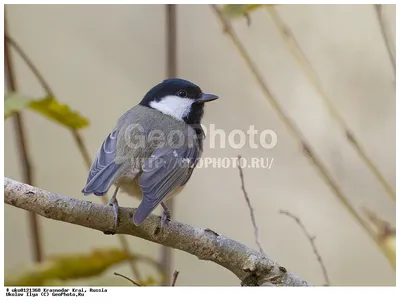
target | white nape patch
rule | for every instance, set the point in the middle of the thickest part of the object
(173, 106)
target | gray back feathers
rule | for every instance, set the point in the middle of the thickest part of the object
(163, 149)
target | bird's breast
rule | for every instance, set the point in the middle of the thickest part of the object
(130, 186)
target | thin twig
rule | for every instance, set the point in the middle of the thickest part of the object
(175, 277)
(385, 34)
(76, 135)
(299, 55)
(291, 126)
(253, 219)
(27, 167)
(249, 265)
(312, 242)
(129, 279)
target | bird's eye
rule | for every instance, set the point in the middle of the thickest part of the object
(182, 93)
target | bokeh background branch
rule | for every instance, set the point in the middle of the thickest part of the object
(23, 149)
(172, 72)
(292, 127)
(80, 143)
(385, 35)
(312, 76)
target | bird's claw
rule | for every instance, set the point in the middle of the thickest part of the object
(166, 216)
(114, 204)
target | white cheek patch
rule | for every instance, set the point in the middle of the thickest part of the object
(173, 106)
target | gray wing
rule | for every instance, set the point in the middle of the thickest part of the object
(103, 168)
(165, 170)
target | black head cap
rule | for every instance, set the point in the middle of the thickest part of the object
(178, 91)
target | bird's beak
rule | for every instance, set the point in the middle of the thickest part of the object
(206, 98)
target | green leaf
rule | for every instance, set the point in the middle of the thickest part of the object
(47, 107)
(239, 10)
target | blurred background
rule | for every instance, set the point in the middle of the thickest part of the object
(328, 67)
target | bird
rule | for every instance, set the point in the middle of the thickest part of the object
(153, 149)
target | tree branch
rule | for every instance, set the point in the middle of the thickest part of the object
(250, 266)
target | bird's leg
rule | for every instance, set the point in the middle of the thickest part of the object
(166, 216)
(114, 203)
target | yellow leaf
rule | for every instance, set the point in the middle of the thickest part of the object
(68, 267)
(239, 10)
(60, 113)
(389, 245)
(47, 107)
